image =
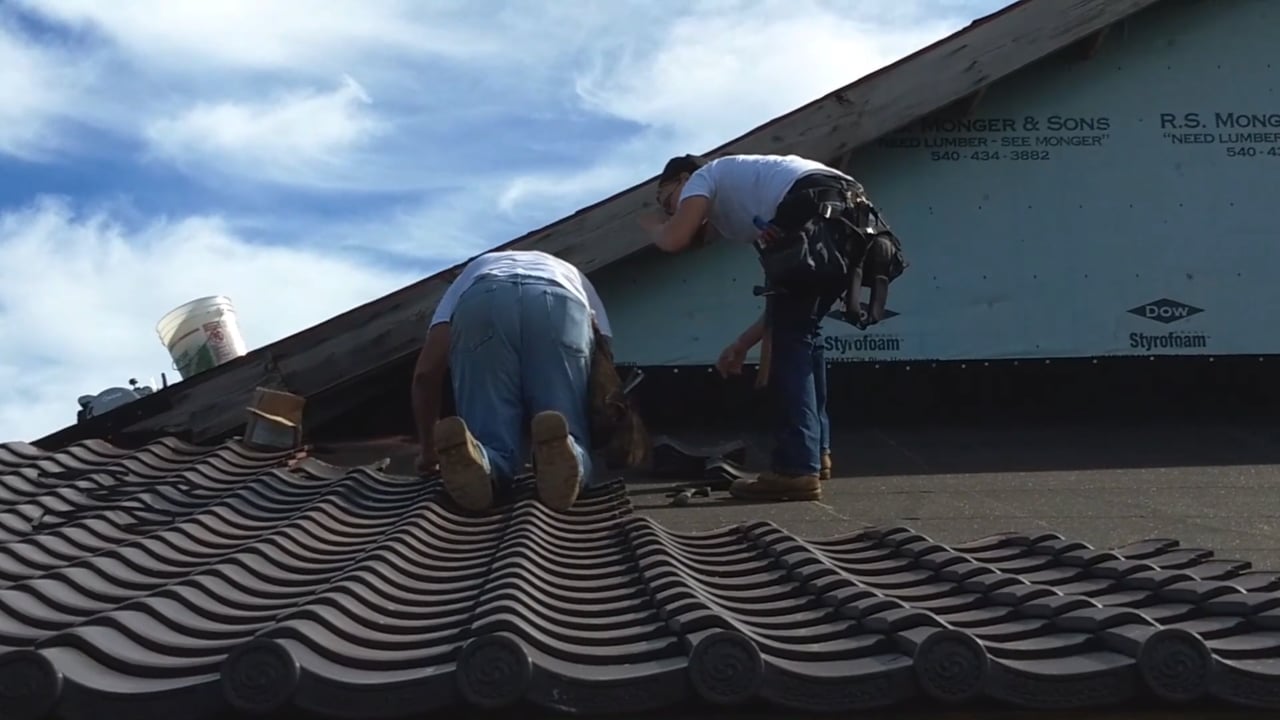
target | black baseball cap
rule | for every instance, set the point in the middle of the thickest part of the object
(679, 165)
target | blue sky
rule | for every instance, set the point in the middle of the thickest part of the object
(305, 157)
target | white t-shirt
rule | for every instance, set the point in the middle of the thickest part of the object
(533, 263)
(741, 187)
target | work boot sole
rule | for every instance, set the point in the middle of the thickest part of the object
(462, 469)
(556, 466)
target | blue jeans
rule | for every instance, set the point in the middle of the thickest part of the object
(519, 346)
(797, 386)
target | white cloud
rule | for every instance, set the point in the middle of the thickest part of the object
(722, 69)
(692, 75)
(270, 35)
(80, 297)
(445, 231)
(301, 137)
(246, 84)
(601, 179)
(728, 70)
(36, 88)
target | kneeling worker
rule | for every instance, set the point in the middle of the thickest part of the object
(516, 330)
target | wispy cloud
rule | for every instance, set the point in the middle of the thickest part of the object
(721, 69)
(37, 85)
(299, 137)
(271, 35)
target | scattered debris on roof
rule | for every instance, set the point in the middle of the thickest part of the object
(183, 581)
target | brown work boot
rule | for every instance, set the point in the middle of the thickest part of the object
(462, 465)
(555, 464)
(825, 473)
(771, 486)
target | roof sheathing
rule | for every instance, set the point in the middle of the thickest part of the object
(370, 335)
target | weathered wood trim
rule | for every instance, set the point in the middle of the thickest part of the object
(969, 104)
(842, 162)
(1094, 44)
(1087, 48)
(841, 122)
(961, 108)
(215, 407)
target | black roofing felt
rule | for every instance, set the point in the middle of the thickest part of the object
(177, 581)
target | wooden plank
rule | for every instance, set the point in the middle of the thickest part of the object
(1088, 48)
(322, 371)
(215, 406)
(969, 104)
(947, 71)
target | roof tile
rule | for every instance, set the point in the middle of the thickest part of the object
(177, 580)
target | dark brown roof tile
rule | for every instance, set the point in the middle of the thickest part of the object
(220, 582)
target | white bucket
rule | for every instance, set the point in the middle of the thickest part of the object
(201, 335)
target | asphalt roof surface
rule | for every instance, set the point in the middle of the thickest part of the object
(1214, 486)
(1210, 485)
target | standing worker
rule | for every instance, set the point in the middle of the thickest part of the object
(517, 331)
(812, 227)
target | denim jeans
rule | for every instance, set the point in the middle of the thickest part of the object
(519, 346)
(797, 386)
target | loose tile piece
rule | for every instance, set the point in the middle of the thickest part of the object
(181, 581)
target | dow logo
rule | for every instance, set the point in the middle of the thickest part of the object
(837, 313)
(1166, 311)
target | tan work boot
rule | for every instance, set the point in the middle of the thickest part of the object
(555, 464)
(825, 473)
(772, 486)
(462, 465)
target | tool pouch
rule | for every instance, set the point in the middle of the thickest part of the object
(616, 428)
(811, 253)
(875, 261)
(833, 239)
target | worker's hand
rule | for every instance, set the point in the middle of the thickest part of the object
(652, 220)
(731, 360)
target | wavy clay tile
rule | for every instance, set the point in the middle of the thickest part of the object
(183, 581)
